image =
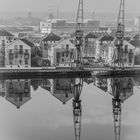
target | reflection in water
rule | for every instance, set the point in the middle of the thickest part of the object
(15, 91)
(121, 89)
(62, 89)
(77, 109)
(18, 92)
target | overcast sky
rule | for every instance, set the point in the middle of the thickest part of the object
(132, 6)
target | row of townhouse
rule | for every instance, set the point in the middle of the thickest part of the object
(55, 51)
(18, 53)
(101, 47)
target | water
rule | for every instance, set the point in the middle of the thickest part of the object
(42, 109)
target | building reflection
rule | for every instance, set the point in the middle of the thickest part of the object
(2, 88)
(17, 92)
(101, 83)
(77, 108)
(46, 84)
(89, 80)
(62, 89)
(121, 88)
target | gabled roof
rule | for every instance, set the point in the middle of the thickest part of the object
(51, 37)
(135, 43)
(136, 37)
(107, 38)
(61, 95)
(18, 103)
(27, 42)
(90, 35)
(100, 34)
(5, 33)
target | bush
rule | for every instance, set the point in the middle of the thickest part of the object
(36, 61)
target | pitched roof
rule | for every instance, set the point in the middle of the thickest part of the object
(90, 35)
(136, 37)
(5, 33)
(106, 38)
(135, 42)
(100, 34)
(27, 42)
(51, 37)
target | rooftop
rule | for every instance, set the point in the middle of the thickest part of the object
(27, 42)
(5, 33)
(51, 37)
(107, 38)
(90, 35)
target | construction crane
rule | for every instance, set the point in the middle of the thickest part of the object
(120, 35)
(116, 104)
(79, 34)
(77, 109)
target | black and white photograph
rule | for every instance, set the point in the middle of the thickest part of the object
(69, 69)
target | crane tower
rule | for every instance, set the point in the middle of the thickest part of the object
(116, 103)
(77, 109)
(120, 34)
(79, 33)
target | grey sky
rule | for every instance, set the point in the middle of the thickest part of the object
(132, 6)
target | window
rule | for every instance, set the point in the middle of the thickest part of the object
(57, 57)
(21, 49)
(3, 42)
(16, 47)
(11, 56)
(62, 59)
(26, 61)
(67, 47)
(126, 49)
(10, 62)
(62, 54)
(20, 61)
(16, 55)
(26, 55)
(125, 60)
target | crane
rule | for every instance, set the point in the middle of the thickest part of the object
(79, 34)
(116, 103)
(77, 109)
(120, 35)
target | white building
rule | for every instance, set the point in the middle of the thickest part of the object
(120, 86)
(5, 37)
(47, 42)
(128, 55)
(89, 46)
(63, 54)
(46, 27)
(18, 54)
(62, 89)
(18, 92)
(2, 88)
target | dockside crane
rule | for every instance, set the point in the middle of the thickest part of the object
(116, 104)
(79, 34)
(77, 109)
(120, 35)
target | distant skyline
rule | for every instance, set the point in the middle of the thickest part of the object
(99, 6)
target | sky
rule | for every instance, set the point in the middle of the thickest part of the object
(100, 6)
